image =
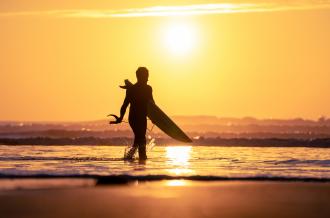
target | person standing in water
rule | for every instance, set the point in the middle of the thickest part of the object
(137, 96)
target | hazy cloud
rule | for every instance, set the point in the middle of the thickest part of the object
(198, 9)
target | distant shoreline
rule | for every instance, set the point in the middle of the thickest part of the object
(217, 141)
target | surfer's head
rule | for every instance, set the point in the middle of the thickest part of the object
(142, 74)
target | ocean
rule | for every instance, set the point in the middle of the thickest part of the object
(204, 161)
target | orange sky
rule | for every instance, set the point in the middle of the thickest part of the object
(63, 60)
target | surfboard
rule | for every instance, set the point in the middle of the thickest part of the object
(161, 120)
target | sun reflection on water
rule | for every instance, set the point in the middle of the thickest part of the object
(176, 183)
(178, 159)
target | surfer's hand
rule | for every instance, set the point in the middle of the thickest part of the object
(118, 119)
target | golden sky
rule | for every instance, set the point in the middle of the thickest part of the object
(63, 60)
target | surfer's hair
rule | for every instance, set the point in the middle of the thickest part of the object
(142, 73)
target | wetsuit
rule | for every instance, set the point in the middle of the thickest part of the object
(138, 97)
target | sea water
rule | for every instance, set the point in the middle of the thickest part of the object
(230, 162)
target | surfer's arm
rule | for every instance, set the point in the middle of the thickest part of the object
(151, 97)
(123, 109)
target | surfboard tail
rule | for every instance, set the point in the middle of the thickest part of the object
(163, 122)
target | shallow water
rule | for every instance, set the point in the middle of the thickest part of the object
(232, 162)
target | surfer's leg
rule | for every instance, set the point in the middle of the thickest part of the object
(130, 153)
(139, 127)
(142, 140)
(142, 148)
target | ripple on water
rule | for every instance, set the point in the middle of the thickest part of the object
(170, 160)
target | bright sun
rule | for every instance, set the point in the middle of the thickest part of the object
(179, 38)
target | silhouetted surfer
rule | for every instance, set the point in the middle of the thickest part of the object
(138, 97)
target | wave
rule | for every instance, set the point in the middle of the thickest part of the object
(298, 161)
(85, 159)
(124, 179)
(217, 141)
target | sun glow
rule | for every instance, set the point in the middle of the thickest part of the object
(180, 38)
(176, 183)
(178, 156)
